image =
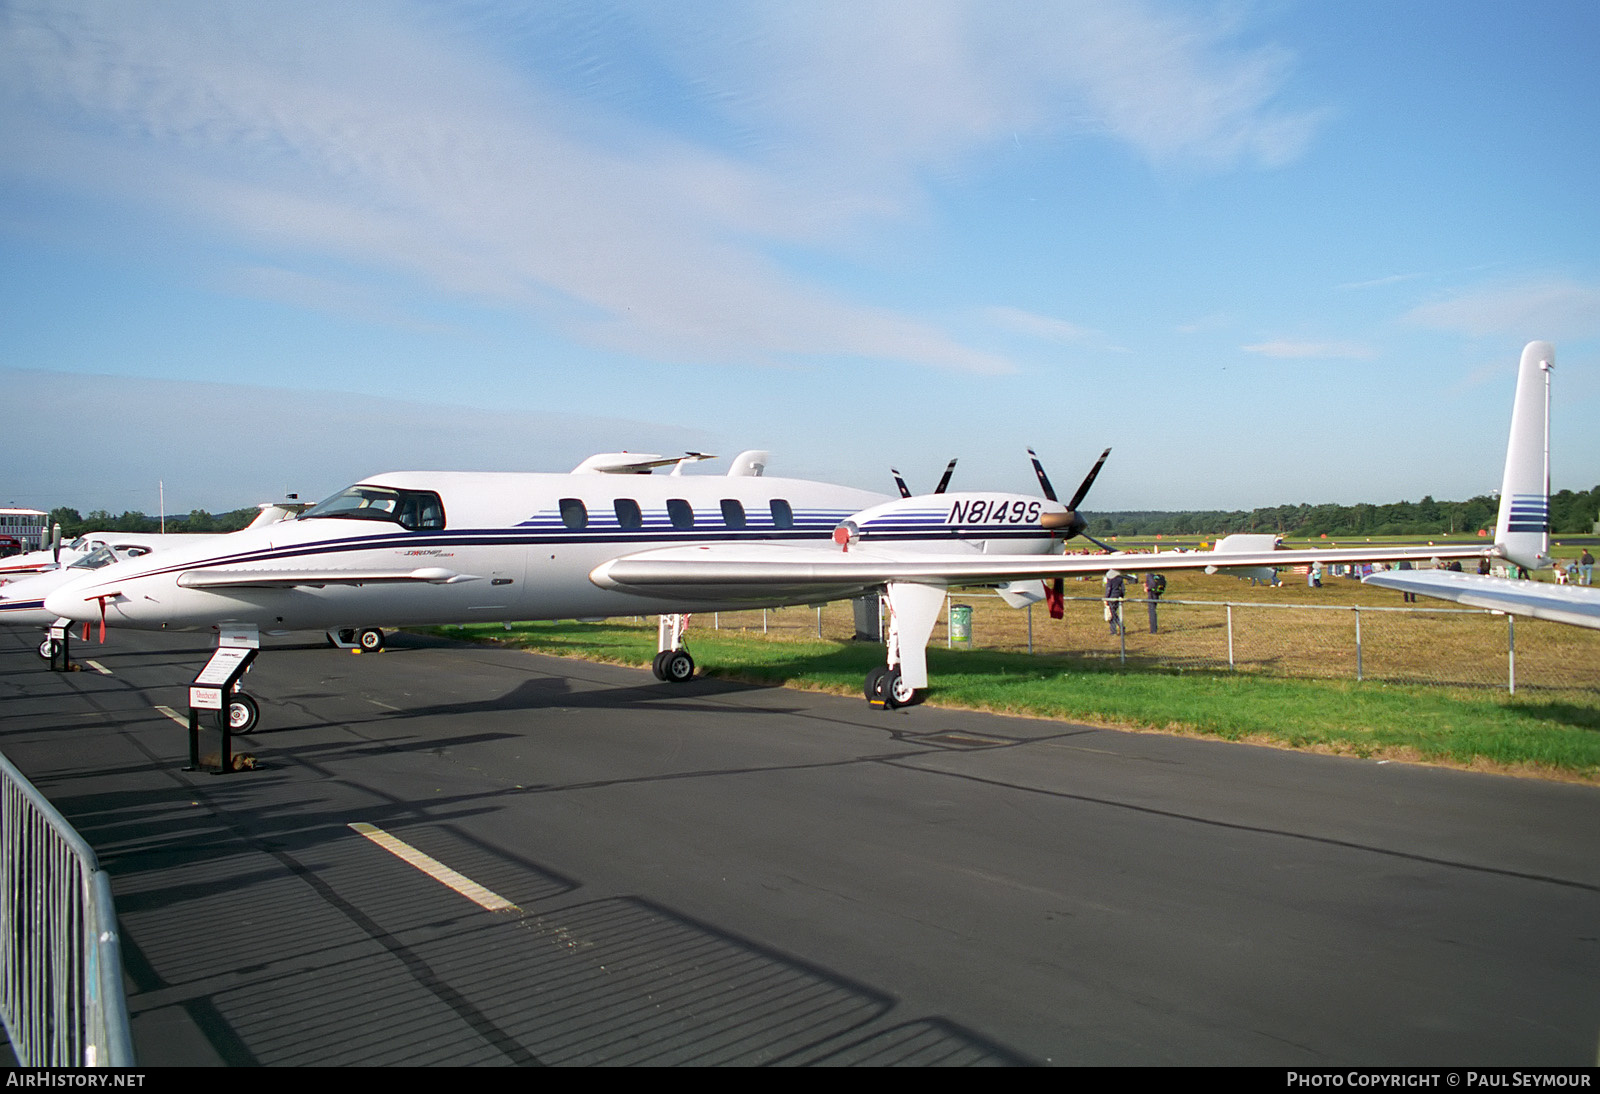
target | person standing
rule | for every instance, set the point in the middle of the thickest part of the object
(1586, 566)
(1115, 590)
(1154, 585)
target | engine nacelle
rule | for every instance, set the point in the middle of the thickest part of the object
(1014, 523)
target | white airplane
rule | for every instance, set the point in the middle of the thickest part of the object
(1522, 532)
(430, 548)
(22, 598)
(56, 556)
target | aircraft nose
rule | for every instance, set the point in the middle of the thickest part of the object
(68, 604)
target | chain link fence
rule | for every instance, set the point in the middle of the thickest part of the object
(1407, 645)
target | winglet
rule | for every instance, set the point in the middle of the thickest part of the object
(1522, 534)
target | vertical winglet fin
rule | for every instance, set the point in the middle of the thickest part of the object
(1522, 533)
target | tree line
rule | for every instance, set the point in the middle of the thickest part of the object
(99, 520)
(1571, 512)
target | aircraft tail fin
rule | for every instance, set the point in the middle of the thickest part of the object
(1522, 534)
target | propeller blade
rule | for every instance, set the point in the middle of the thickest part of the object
(905, 491)
(1044, 480)
(944, 482)
(1104, 547)
(1088, 480)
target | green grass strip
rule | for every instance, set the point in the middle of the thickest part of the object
(1485, 729)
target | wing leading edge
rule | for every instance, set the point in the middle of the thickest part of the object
(742, 571)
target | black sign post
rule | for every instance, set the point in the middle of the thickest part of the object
(60, 647)
(212, 689)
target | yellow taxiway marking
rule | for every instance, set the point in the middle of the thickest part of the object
(174, 715)
(98, 667)
(435, 869)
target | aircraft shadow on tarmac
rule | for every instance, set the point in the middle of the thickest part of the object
(285, 973)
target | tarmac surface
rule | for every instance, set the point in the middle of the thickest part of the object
(717, 873)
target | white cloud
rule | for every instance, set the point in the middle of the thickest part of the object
(1039, 326)
(1553, 309)
(1333, 350)
(411, 140)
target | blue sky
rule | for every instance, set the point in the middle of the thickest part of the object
(1270, 252)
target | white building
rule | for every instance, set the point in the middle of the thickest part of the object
(26, 525)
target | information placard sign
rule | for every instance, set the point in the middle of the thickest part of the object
(205, 698)
(224, 664)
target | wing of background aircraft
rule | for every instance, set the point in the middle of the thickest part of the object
(1575, 604)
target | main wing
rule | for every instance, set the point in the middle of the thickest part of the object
(1574, 604)
(749, 572)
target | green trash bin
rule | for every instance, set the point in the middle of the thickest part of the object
(961, 626)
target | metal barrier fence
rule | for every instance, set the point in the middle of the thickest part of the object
(60, 960)
(1411, 645)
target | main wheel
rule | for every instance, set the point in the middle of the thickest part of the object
(655, 666)
(242, 714)
(677, 666)
(896, 692)
(370, 639)
(873, 688)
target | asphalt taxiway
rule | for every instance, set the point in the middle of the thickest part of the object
(719, 873)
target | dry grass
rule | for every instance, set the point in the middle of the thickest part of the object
(1286, 632)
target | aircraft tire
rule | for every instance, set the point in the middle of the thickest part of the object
(677, 666)
(655, 666)
(47, 649)
(896, 693)
(370, 639)
(873, 688)
(243, 714)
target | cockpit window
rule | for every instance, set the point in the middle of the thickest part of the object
(418, 510)
(100, 556)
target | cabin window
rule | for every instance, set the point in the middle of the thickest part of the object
(681, 512)
(417, 510)
(628, 515)
(732, 513)
(782, 515)
(574, 514)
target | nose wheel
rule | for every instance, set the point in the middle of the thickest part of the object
(242, 715)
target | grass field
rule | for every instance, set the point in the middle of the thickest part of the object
(1433, 688)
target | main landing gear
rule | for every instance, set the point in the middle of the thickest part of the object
(886, 687)
(912, 610)
(365, 639)
(672, 663)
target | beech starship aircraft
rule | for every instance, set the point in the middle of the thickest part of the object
(1522, 532)
(611, 539)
